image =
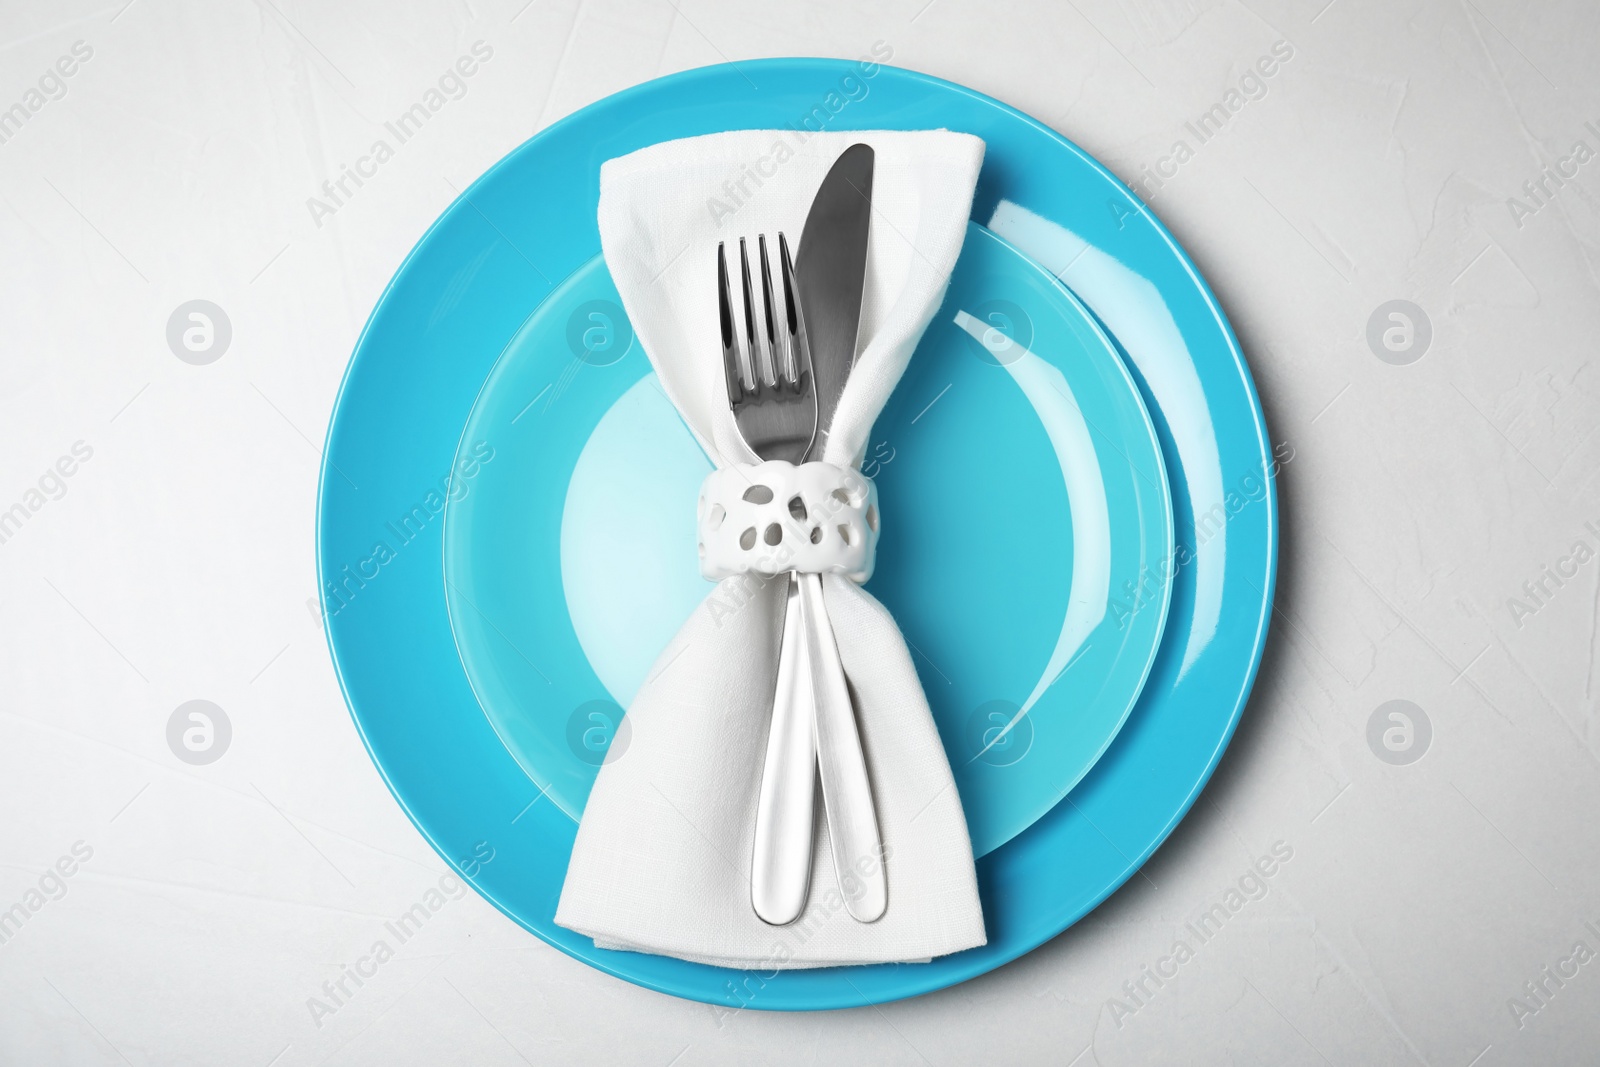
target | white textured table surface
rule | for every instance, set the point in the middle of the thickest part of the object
(1441, 522)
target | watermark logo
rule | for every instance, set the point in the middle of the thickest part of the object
(598, 732)
(1542, 190)
(199, 332)
(1399, 732)
(996, 736)
(745, 181)
(341, 587)
(1208, 522)
(1253, 85)
(51, 85)
(452, 84)
(820, 911)
(199, 732)
(337, 992)
(1399, 332)
(1007, 332)
(1538, 991)
(1538, 591)
(50, 885)
(51, 485)
(598, 332)
(1252, 885)
(881, 456)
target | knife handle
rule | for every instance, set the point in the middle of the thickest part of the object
(780, 875)
(846, 789)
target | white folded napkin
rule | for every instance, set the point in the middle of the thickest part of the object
(662, 859)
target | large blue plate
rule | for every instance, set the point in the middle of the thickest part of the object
(525, 226)
(1018, 473)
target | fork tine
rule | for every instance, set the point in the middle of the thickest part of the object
(760, 373)
(732, 366)
(776, 370)
(796, 348)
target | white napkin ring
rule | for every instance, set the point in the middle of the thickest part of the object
(774, 517)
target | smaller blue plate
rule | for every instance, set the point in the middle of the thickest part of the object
(1026, 527)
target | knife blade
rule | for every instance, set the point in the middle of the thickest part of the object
(831, 274)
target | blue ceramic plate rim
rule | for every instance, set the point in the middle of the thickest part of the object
(928, 977)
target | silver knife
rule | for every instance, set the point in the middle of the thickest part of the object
(830, 279)
(831, 274)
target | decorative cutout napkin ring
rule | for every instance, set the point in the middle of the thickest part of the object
(774, 517)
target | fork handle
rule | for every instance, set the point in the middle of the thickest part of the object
(846, 789)
(780, 874)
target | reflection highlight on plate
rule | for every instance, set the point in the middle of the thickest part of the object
(629, 582)
(1047, 391)
(1142, 325)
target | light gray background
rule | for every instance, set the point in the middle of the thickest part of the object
(178, 562)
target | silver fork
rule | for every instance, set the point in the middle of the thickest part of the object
(770, 387)
(773, 396)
